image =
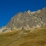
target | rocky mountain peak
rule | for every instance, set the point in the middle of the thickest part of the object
(32, 19)
(26, 20)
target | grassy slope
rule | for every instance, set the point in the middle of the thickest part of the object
(35, 38)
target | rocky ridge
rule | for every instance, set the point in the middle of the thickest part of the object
(26, 20)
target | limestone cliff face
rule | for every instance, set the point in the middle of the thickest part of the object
(28, 20)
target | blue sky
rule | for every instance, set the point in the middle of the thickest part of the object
(8, 8)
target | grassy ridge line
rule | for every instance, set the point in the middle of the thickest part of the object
(36, 37)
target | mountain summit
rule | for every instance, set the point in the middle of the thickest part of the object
(28, 19)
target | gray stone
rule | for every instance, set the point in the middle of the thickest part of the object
(32, 19)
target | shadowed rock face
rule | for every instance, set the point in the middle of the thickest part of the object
(28, 20)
